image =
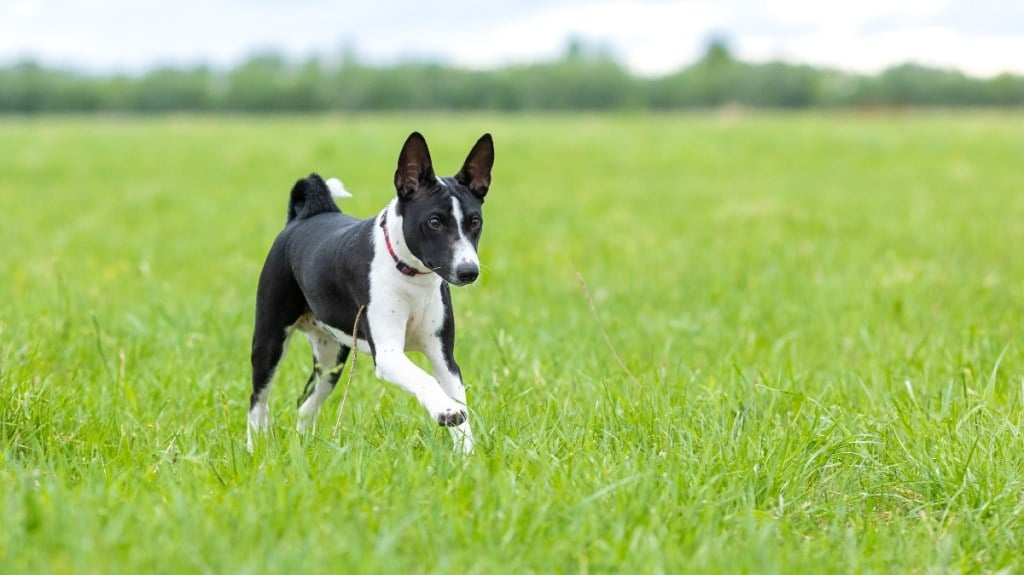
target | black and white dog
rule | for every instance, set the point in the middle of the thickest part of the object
(382, 282)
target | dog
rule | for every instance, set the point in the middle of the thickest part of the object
(379, 284)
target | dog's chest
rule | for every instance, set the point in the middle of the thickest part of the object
(425, 320)
(425, 311)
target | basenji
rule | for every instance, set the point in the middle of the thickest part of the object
(379, 284)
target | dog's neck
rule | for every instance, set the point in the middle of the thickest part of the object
(390, 224)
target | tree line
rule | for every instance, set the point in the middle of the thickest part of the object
(582, 79)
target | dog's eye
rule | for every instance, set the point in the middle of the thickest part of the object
(474, 223)
(435, 223)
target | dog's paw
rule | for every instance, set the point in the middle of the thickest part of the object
(451, 417)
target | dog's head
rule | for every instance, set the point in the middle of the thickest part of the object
(442, 217)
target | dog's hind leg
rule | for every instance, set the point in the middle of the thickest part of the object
(314, 376)
(269, 343)
(267, 351)
(279, 305)
(329, 358)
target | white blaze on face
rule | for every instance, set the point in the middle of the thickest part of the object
(464, 251)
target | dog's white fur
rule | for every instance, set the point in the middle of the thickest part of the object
(464, 250)
(337, 188)
(397, 329)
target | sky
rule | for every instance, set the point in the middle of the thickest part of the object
(652, 37)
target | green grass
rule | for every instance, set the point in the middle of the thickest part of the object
(821, 319)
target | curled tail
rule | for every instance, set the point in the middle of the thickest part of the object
(311, 196)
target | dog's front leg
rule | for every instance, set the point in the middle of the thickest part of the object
(449, 376)
(388, 324)
(396, 367)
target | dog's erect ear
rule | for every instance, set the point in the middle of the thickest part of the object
(476, 172)
(414, 166)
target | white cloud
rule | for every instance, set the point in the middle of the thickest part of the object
(931, 46)
(651, 37)
(648, 37)
(851, 16)
(23, 8)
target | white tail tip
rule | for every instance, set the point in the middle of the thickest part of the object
(337, 188)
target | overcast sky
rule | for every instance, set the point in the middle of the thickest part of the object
(980, 37)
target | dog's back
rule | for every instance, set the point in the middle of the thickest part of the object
(318, 237)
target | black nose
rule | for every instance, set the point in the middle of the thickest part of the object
(467, 273)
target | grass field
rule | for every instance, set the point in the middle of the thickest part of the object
(819, 317)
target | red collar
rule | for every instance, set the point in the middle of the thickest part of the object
(403, 267)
